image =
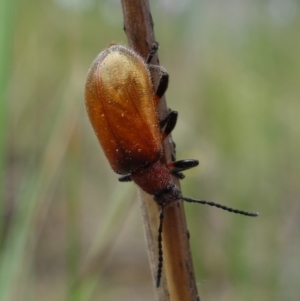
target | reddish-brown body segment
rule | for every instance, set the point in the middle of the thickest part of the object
(122, 109)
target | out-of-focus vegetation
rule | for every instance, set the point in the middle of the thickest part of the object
(70, 231)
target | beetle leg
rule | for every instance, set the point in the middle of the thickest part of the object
(163, 81)
(173, 157)
(174, 152)
(169, 115)
(168, 123)
(153, 50)
(125, 178)
(178, 174)
(178, 166)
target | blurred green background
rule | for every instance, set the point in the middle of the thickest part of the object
(70, 230)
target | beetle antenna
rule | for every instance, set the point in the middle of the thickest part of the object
(160, 250)
(191, 200)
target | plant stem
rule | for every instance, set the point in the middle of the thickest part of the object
(178, 281)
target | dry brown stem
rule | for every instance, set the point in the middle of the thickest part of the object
(178, 281)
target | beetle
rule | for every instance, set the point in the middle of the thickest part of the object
(122, 107)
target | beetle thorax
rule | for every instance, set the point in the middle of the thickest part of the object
(156, 180)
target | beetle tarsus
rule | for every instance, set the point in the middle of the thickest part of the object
(125, 178)
(182, 165)
(178, 174)
(168, 123)
(153, 50)
(163, 80)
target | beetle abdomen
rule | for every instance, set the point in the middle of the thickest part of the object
(119, 101)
